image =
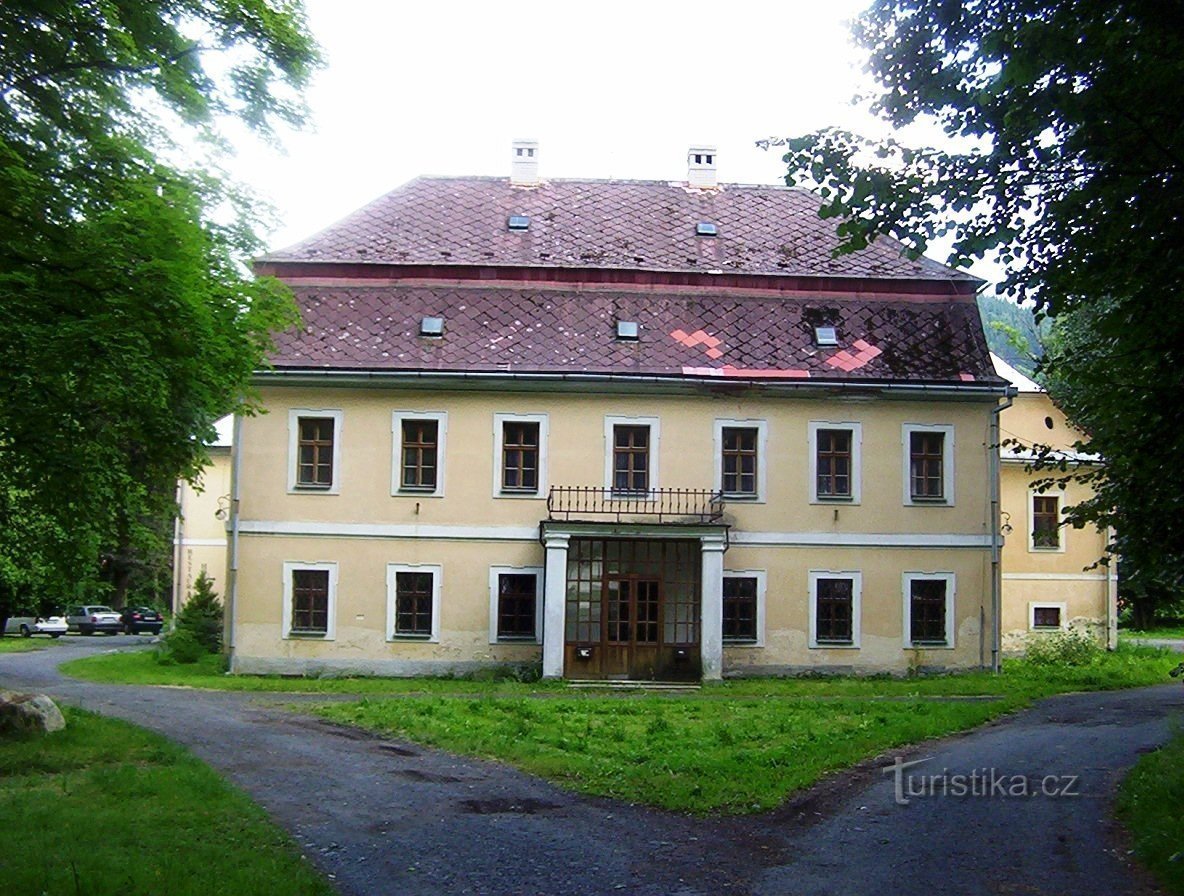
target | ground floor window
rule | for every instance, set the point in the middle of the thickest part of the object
(1046, 616)
(740, 609)
(834, 608)
(309, 598)
(928, 609)
(515, 601)
(413, 602)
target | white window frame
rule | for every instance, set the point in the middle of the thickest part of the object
(762, 453)
(397, 418)
(856, 578)
(392, 570)
(499, 434)
(654, 453)
(1035, 605)
(856, 430)
(1062, 530)
(761, 583)
(291, 566)
(947, 464)
(495, 572)
(907, 580)
(294, 416)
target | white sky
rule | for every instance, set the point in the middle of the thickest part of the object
(609, 89)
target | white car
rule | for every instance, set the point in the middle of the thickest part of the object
(27, 626)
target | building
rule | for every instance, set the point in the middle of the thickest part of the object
(199, 536)
(630, 429)
(1051, 577)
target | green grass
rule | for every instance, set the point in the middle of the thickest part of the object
(1149, 803)
(104, 807)
(17, 644)
(1160, 631)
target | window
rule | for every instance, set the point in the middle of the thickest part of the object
(739, 458)
(835, 599)
(929, 609)
(419, 458)
(631, 462)
(520, 457)
(314, 450)
(928, 464)
(1046, 523)
(835, 462)
(310, 593)
(515, 604)
(744, 608)
(1048, 616)
(413, 602)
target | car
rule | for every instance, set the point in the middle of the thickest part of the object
(27, 626)
(86, 619)
(141, 619)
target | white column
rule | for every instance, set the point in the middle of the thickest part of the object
(554, 603)
(711, 624)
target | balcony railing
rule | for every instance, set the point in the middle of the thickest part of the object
(658, 505)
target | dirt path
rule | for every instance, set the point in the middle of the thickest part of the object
(383, 817)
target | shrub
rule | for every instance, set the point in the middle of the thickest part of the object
(180, 646)
(202, 615)
(1071, 648)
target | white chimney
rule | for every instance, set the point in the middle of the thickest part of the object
(524, 163)
(701, 167)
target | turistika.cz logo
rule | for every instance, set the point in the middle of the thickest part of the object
(981, 782)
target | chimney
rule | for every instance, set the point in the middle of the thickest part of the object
(524, 163)
(701, 167)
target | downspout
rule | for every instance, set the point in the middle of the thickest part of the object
(996, 531)
(232, 560)
(1111, 595)
(178, 549)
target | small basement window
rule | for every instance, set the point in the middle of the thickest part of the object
(431, 326)
(825, 336)
(627, 329)
(706, 228)
(518, 222)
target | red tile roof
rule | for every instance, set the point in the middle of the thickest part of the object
(634, 225)
(682, 334)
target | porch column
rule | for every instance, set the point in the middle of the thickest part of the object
(711, 611)
(554, 603)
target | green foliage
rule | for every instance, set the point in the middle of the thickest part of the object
(1071, 648)
(180, 646)
(1149, 803)
(1013, 333)
(202, 616)
(1062, 162)
(128, 323)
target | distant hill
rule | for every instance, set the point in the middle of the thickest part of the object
(1006, 324)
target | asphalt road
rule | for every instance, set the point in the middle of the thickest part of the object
(383, 817)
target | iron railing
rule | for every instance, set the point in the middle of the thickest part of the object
(658, 505)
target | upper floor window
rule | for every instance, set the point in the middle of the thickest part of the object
(929, 609)
(419, 464)
(413, 602)
(520, 456)
(314, 450)
(929, 464)
(739, 464)
(310, 592)
(632, 459)
(835, 461)
(1046, 523)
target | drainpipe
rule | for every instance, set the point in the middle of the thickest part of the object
(178, 549)
(232, 560)
(996, 533)
(1111, 595)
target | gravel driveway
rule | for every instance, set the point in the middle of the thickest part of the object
(383, 817)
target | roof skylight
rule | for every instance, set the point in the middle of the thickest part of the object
(706, 228)
(825, 336)
(628, 329)
(518, 222)
(431, 326)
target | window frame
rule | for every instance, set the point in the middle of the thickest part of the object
(392, 572)
(295, 415)
(950, 580)
(856, 578)
(762, 453)
(761, 584)
(1060, 606)
(293, 566)
(495, 574)
(652, 455)
(499, 432)
(856, 430)
(946, 430)
(397, 420)
(1033, 547)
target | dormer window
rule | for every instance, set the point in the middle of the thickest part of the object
(825, 336)
(706, 228)
(518, 222)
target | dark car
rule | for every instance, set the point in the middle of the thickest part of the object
(141, 619)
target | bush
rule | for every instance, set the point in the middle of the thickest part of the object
(1072, 648)
(180, 646)
(202, 615)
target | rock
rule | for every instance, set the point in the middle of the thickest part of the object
(24, 714)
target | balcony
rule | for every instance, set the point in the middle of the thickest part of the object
(677, 506)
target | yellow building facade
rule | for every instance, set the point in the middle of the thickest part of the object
(199, 538)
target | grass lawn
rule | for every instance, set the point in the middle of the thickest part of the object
(104, 807)
(1160, 631)
(17, 644)
(1149, 803)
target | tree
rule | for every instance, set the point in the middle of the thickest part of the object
(128, 321)
(1065, 162)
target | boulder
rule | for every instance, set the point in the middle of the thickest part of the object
(25, 714)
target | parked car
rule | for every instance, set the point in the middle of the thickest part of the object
(87, 619)
(141, 619)
(27, 626)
